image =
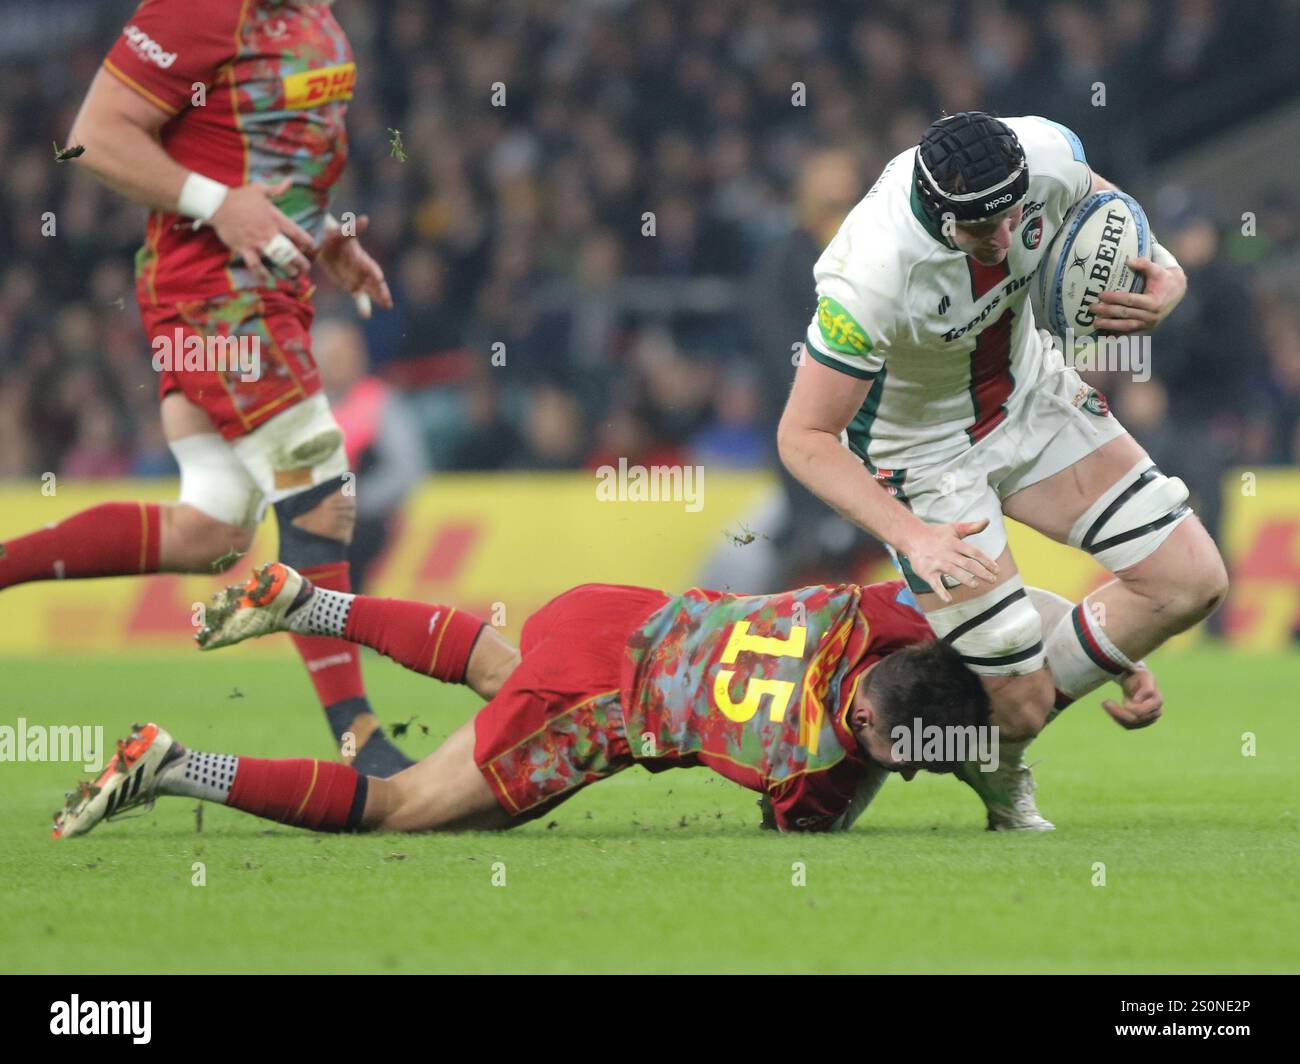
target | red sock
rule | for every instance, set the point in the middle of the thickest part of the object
(321, 795)
(333, 664)
(428, 638)
(114, 539)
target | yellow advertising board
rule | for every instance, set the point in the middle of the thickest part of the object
(501, 545)
(1261, 540)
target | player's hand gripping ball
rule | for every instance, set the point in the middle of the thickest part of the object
(1091, 254)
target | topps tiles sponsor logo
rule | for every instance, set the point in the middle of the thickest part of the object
(147, 48)
(658, 483)
(53, 743)
(184, 352)
(1008, 289)
(102, 1017)
(949, 744)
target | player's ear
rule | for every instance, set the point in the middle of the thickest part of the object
(863, 713)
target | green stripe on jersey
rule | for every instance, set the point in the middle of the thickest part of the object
(914, 583)
(859, 429)
(840, 365)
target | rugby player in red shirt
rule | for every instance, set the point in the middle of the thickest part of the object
(225, 119)
(796, 695)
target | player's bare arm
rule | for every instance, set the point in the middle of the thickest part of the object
(119, 129)
(1164, 288)
(821, 405)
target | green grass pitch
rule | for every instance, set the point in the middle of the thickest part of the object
(668, 873)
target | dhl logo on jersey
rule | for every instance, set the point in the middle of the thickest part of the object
(310, 88)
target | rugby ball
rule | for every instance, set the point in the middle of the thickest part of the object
(1089, 256)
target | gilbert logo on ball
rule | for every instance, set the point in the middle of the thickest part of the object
(1089, 256)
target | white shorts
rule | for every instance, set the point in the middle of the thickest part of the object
(234, 481)
(1059, 421)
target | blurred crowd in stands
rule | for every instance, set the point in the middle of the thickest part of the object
(545, 320)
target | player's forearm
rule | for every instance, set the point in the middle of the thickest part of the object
(835, 475)
(129, 160)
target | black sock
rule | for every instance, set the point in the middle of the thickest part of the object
(378, 756)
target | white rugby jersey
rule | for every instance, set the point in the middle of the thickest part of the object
(949, 345)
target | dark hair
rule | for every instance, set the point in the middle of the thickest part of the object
(929, 681)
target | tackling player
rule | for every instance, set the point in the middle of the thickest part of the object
(923, 356)
(796, 695)
(226, 119)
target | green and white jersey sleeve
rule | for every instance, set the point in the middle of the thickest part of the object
(1056, 159)
(949, 346)
(858, 289)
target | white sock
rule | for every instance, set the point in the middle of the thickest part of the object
(1081, 655)
(326, 614)
(1012, 753)
(197, 775)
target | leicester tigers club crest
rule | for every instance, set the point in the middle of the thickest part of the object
(1033, 234)
(1096, 404)
(1093, 401)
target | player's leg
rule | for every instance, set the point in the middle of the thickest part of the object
(553, 728)
(212, 524)
(315, 528)
(111, 539)
(1135, 521)
(999, 635)
(293, 449)
(432, 639)
(445, 792)
(205, 531)
(1141, 701)
(440, 641)
(995, 629)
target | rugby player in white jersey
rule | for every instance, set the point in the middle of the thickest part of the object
(924, 358)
